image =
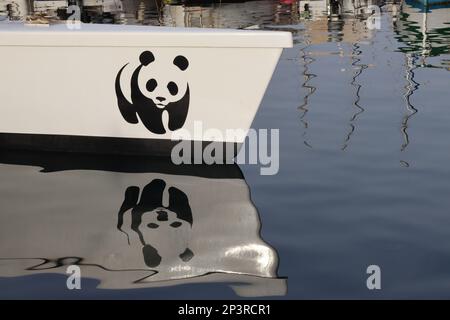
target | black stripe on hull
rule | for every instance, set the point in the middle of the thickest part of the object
(64, 152)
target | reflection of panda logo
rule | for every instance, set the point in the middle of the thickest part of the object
(160, 95)
(149, 218)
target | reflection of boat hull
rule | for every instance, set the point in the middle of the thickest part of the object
(416, 14)
(84, 84)
(206, 2)
(225, 15)
(421, 33)
(97, 223)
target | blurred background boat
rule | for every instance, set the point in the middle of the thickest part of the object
(419, 33)
(217, 14)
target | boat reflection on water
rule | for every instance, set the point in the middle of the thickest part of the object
(133, 223)
(423, 31)
(200, 14)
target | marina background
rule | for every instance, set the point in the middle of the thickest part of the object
(364, 170)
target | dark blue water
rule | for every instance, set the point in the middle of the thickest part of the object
(364, 180)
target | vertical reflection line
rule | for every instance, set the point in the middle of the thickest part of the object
(307, 76)
(410, 88)
(358, 108)
(159, 10)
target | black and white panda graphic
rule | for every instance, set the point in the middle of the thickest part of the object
(164, 231)
(157, 88)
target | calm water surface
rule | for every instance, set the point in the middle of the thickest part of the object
(364, 119)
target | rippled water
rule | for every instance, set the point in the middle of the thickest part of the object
(364, 179)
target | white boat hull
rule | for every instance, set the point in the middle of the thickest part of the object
(62, 83)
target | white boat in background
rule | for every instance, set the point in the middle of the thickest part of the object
(127, 89)
(15, 10)
(3, 10)
(422, 33)
(49, 7)
(416, 14)
(134, 223)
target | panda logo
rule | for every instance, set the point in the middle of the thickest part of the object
(160, 95)
(162, 231)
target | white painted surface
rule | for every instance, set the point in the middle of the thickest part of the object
(110, 35)
(57, 81)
